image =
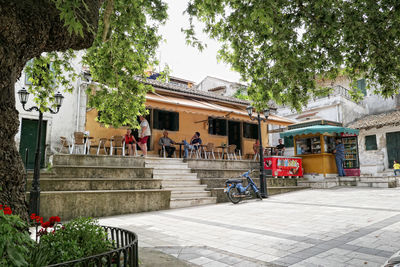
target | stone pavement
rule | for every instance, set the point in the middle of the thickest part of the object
(330, 227)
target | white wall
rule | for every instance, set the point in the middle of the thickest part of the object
(212, 82)
(64, 123)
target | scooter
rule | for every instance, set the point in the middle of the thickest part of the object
(236, 191)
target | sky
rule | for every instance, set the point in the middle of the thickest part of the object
(187, 62)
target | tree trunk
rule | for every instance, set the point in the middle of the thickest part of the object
(27, 29)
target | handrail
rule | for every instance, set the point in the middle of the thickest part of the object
(124, 254)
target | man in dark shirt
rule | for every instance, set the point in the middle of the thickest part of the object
(280, 148)
(339, 157)
(195, 142)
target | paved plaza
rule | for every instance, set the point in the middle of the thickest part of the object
(331, 227)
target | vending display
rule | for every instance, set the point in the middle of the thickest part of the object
(284, 166)
(351, 162)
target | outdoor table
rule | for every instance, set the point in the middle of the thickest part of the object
(180, 148)
(223, 150)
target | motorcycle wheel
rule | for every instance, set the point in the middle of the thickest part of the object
(231, 195)
(259, 195)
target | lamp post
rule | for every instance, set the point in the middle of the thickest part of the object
(263, 184)
(34, 199)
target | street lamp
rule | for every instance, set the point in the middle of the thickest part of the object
(34, 201)
(263, 184)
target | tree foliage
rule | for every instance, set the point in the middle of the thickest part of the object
(124, 46)
(282, 46)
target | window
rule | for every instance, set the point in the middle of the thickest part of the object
(288, 141)
(370, 142)
(216, 126)
(250, 130)
(361, 85)
(165, 120)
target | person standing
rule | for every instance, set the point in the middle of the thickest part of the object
(339, 156)
(167, 143)
(130, 141)
(396, 167)
(144, 134)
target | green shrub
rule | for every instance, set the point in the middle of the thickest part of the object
(79, 238)
(15, 241)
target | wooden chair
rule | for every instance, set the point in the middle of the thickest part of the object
(231, 152)
(118, 142)
(79, 141)
(197, 150)
(209, 151)
(65, 144)
(102, 143)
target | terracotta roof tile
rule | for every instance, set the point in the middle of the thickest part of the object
(377, 121)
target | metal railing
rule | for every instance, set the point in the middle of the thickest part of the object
(124, 254)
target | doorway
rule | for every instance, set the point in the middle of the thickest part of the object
(234, 134)
(28, 141)
(393, 147)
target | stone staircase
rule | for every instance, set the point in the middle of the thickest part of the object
(214, 173)
(98, 186)
(186, 189)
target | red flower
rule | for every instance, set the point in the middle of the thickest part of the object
(7, 210)
(1, 207)
(33, 216)
(46, 224)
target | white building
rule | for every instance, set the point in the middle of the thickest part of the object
(69, 119)
(219, 86)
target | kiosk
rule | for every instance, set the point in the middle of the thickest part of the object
(314, 142)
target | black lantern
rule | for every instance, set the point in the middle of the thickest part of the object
(23, 96)
(58, 99)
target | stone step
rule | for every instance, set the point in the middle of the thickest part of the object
(102, 172)
(220, 182)
(166, 176)
(101, 203)
(83, 184)
(377, 179)
(189, 194)
(166, 165)
(171, 171)
(94, 160)
(221, 173)
(174, 182)
(188, 202)
(185, 187)
(222, 164)
(163, 160)
(373, 184)
(222, 197)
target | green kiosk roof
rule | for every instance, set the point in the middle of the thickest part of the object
(321, 129)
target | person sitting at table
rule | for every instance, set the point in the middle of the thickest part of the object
(195, 142)
(280, 148)
(130, 141)
(167, 143)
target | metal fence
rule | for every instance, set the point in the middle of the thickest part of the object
(124, 254)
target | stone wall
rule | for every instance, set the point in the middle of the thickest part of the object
(374, 162)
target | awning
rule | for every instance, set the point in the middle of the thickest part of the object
(321, 129)
(206, 106)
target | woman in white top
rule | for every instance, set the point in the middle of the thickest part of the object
(144, 134)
